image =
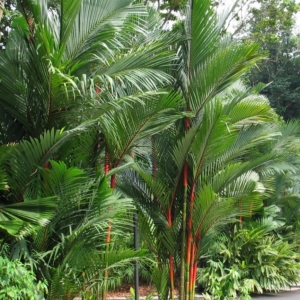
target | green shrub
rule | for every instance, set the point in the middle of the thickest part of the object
(18, 282)
(252, 258)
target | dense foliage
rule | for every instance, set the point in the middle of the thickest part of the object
(271, 22)
(103, 114)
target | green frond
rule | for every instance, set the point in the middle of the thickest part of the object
(4, 153)
(123, 129)
(202, 32)
(95, 22)
(220, 71)
(232, 173)
(69, 11)
(34, 211)
(250, 137)
(253, 109)
(211, 140)
(3, 181)
(23, 162)
(212, 212)
(16, 228)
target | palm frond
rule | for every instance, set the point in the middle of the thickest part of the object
(29, 155)
(202, 30)
(36, 212)
(96, 21)
(220, 71)
(123, 129)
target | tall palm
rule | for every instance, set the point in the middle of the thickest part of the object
(198, 178)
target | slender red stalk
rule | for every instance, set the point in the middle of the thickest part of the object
(187, 121)
(192, 263)
(171, 260)
(194, 278)
(172, 276)
(185, 175)
(68, 295)
(112, 185)
(184, 225)
(190, 244)
(106, 165)
(113, 181)
(97, 90)
(108, 236)
(154, 158)
(186, 237)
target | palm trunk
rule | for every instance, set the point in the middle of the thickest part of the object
(194, 279)
(190, 247)
(108, 236)
(172, 276)
(107, 163)
(183, 243)
(169, 219)
(171, 261)
(195, 262)
(191, 275)
(186, 239)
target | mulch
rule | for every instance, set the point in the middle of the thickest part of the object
(124, 290)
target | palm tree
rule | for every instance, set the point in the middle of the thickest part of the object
(196, 177)
(67, 226)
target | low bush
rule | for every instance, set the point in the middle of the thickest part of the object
(252, 258)
(18, 282)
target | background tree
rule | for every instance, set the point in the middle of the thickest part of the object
(270, 22)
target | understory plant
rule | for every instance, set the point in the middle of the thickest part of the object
(70, 249)
(18, 281)
(252, 257)
(132, 293)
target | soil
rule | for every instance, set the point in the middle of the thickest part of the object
(124, 290)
